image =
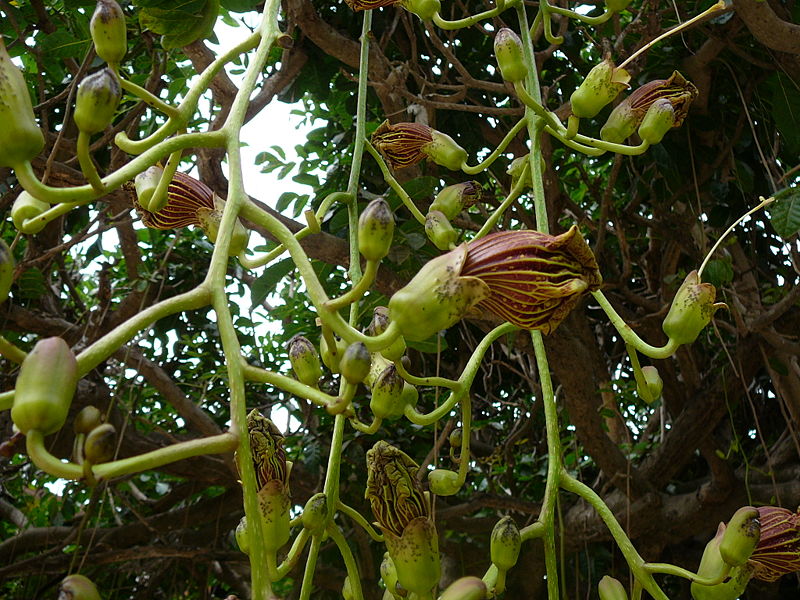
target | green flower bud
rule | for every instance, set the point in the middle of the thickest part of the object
(315, 513)
(658, 120)
(517, 169)
(77, 587)
(305, 361)
(455, 198)
(439, 230)
(456, 437)
(505, 544)
(443, 482)
(741, 536)
(778, 549)
(389, 575)
(347, 589)
(108, 30)
(713, 566)
(6, 270)
(20, 136)
(416, 556)
(241, 536)
(45, 386)
(387, 394)
(210, 221)
(331, 357)
(355, 363)
(611, 589)
(379, 323)
(466, 588)
(145, 184)
(100, 444)
(691, 310)
(87, 419)
(437, 297)
(653, 384)
(96, 101)
(603, 83)
(375, 230)
(28, 208)
(510, 56)
(616, 6)
(405, 144)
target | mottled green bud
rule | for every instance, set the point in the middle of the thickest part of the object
(332, 356)
(510, 56)
(305, 361)
(658, 120)
(315, 513)
(20, 137)
(355, 363)
(466, 588)
(437, 297)
(505, 544)
(96, 101)
(379, 323)
(691, 310)
(444, 150)
(241, 536)
(713, 566)
(741, 536)
(387, 394)
(375, 230)
(389, 575)
(145, 184)
(455, 198)
(108, 30)
(611, 589)
(456, 437)
(653, 384)
(443, 482)
(100, 444)
(603, 83)
(77, 587)
(27, 208)
(439, 230)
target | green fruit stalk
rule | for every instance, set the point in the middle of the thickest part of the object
(45, 386)
(20, 136)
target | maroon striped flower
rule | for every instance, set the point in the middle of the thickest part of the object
(188, 202)
(359, 5)
(527, 278)
(778, 549)
(534, 279)
(406, 144)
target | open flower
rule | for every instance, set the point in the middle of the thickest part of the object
(629, 114)
(187, 199)
(778, 549)
(406, 144)
(402, 511)
(528, 278)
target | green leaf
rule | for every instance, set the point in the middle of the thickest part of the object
(718, 272)
(785, 212)
(239, 6)
(179, 23)
(786, 111)
(432, 345)
(269, 279)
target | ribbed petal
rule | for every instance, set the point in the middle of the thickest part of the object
(677, 89)
(358, 5)
(778, 549)
(186, 195)
(534, 279)
(402, 144)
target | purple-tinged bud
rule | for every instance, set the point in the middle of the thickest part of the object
(96, 101)
(510, 56)
(355, 363)
(315, 513)
(305, 361)
(375, 230)
(108, 30)
(455, 198)
(77, 587)
(387, 394)
(379, 323)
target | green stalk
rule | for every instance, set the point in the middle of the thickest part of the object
(85, 161)
(349, 561)
(535, 126)
(487, 162)
(393, 183)
(513, 194)
(473, 19)
(359, 518)
(148, 98)
(286, 383)
(7, 400)
(358, 290)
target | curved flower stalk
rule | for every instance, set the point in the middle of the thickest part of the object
(528, 278)
(403, 513)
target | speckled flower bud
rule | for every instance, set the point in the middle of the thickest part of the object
(305, 361)
(315, 513)
(440, 231)
(77, 587)
(355, 363)
(100, 444)
(379, 323)
(505, 544)
(603, 83)
(691, 310)
(658, 120)
(741, 536)
(455, 198)
(443, 482)
(108, 30)
(510, 56)
(96, 101)
(375, 230)
(241, 536)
